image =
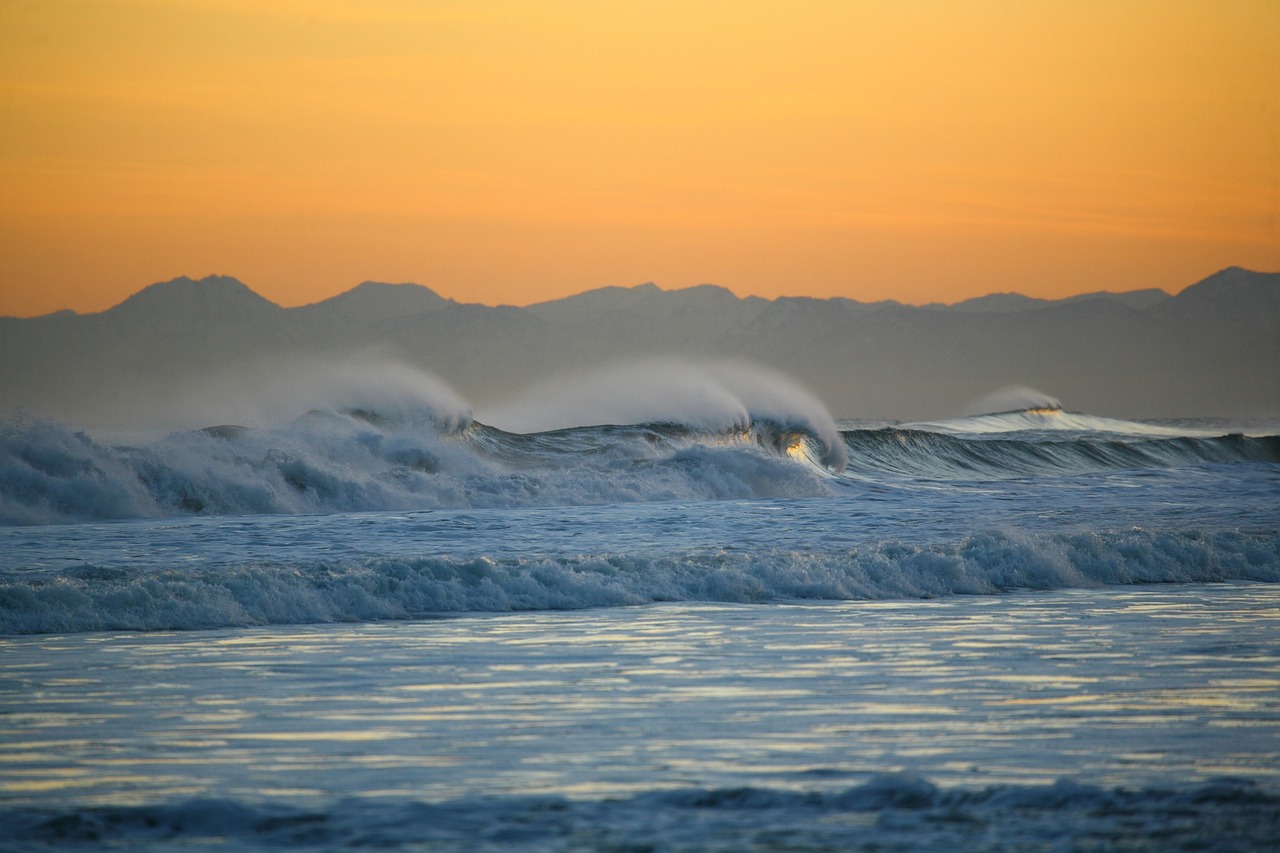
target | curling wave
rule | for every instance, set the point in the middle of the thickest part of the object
(364, 459)
(359, 460)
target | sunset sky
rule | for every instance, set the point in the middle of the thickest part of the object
(506, 152)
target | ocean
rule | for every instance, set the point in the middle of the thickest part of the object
(737, 626)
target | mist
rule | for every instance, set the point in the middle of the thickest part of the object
(278, 393)
(1014, 398)
(188, 354)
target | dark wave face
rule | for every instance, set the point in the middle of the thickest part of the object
(918, 453)
(892, 811)
(344, 462)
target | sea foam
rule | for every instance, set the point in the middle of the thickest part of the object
(393, 450)
(208, 595)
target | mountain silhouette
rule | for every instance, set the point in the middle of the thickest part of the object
(1212, 350)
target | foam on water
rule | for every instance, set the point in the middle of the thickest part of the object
(365, 460)
(408, 454)
(900, 724)
(210, 594)
(912, 512)
(1140, 718)
(374, 435)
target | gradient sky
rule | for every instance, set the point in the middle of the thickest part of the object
(515, 152)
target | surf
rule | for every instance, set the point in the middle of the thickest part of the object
(335, 586)
(371, 435)
(365, 459)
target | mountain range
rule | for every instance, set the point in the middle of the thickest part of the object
(1211, 350)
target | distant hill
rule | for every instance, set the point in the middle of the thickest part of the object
(1212, 350)
(369, 304)
(1009, 303)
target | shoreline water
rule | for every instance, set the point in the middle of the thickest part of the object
(1083, 704)
(1034, 630)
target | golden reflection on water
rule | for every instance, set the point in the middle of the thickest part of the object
(1110, 685)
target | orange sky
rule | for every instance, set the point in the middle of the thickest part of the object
(520, 151)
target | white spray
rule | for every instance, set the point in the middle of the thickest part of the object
(717, 395)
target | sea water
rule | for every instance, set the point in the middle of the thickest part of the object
(1032, 630)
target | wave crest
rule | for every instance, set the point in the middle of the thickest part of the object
(721, 396)
(92, 598)
(1011, 398)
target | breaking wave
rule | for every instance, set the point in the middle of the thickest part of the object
(1013, 398)
(129, 597)
(718, 397)
(361, 460)
(380, 436)
(395, 458)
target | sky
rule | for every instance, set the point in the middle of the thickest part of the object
(514, 152)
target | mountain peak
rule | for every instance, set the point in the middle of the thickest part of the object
(375, 301)
(714, 291)
(998, 303)
(387, 286)
(1233, 281)
(405, 292)
(1230, 278)
(212, 297)
(1243, 296)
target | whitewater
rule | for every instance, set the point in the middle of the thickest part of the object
(661, 606)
